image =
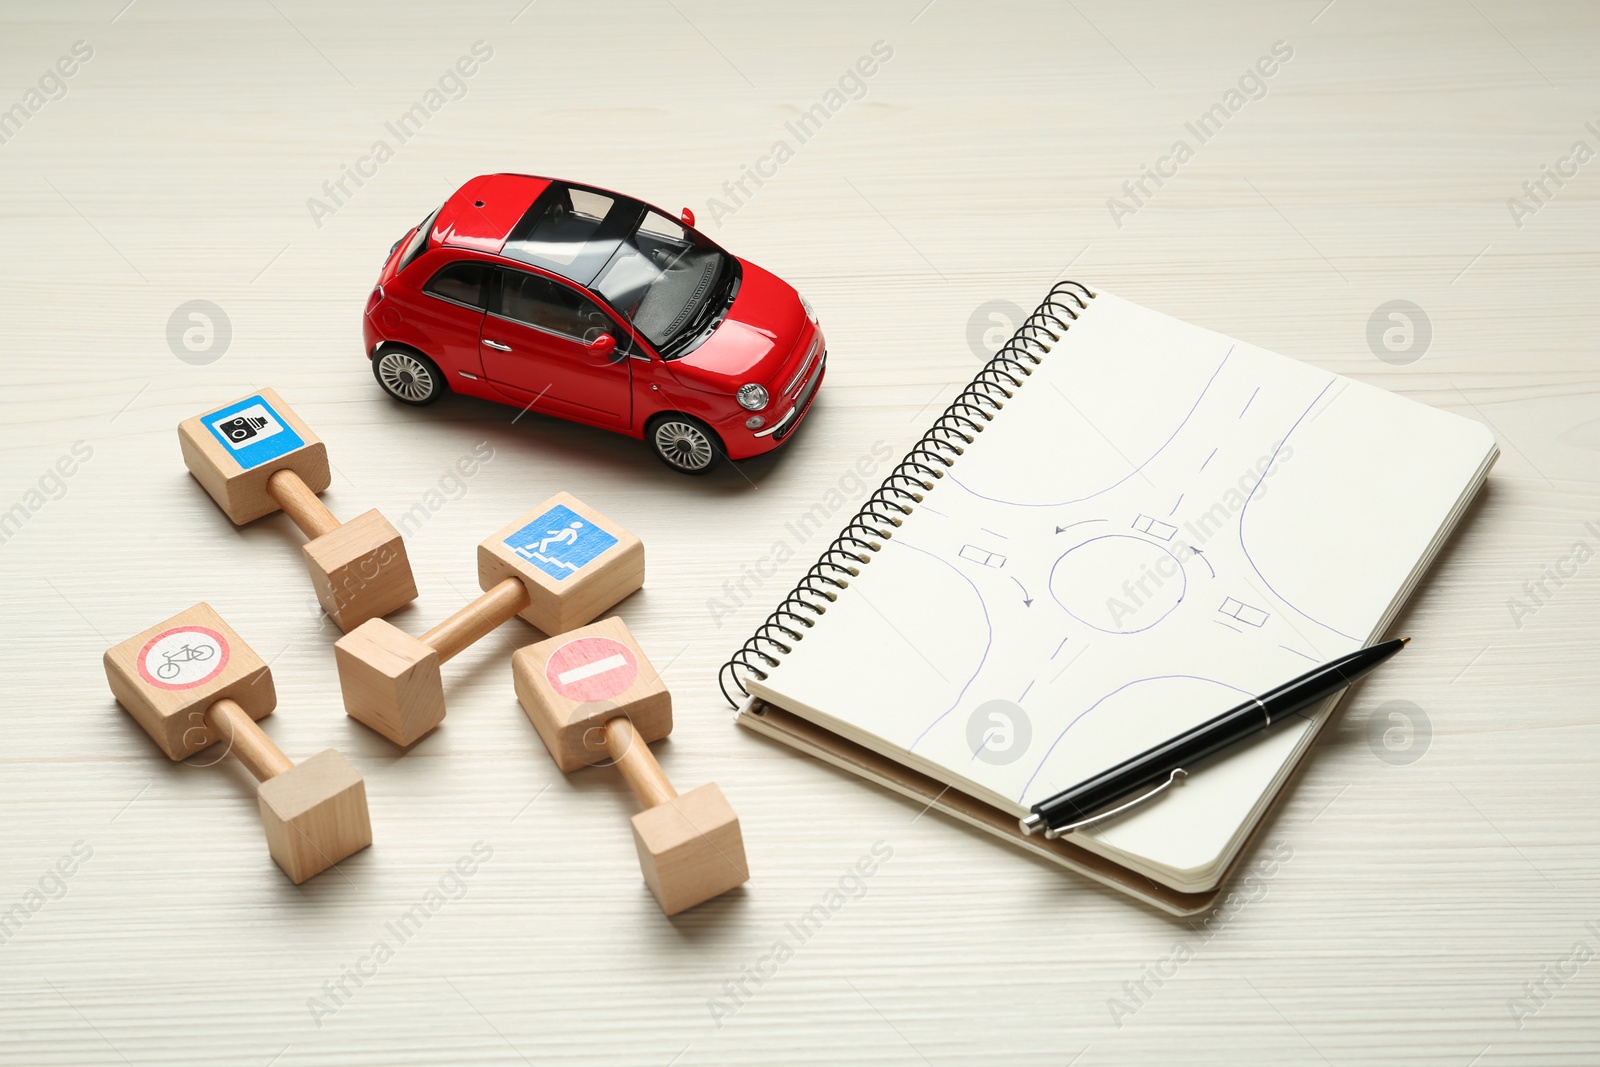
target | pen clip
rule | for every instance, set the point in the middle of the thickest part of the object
(1176, 777)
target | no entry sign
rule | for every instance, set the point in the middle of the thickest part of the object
(591, 668)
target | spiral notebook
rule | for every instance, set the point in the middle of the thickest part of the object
(1124, 525)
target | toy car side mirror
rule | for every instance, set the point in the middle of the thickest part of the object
(603, 346)
(687, 218)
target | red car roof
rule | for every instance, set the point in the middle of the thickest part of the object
(482, 212)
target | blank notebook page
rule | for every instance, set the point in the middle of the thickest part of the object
(1160, 523)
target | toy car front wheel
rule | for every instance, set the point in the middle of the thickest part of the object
(686, 445)
(410, 377)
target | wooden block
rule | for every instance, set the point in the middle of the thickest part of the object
(315, 815)
(690, 848)
(167, 676)
(360, 571)
(571, 684)
(576, 563)
(390, 681)
(232, 451)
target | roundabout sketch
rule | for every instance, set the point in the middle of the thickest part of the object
(1147, 566)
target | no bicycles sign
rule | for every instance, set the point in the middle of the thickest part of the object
(183, 657)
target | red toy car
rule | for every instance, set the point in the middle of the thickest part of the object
(594, 307)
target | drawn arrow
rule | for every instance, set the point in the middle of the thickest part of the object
(1203, 559)
(1080, 522)
(1027, 601)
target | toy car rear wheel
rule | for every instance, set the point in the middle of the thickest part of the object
(408, 376)
(685, 444)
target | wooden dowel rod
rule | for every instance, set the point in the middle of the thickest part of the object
(245, 740)
(297, 500)
(637, 764)
(492, 609)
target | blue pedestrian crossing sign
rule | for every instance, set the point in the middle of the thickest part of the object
(560, 542)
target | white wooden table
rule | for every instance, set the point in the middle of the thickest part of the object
(1426, 890)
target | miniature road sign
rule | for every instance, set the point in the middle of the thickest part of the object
(593, 697)
(192, 681)
(254, 456)
(558, 566)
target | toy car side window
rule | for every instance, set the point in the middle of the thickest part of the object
(463, 282)
(540, 302)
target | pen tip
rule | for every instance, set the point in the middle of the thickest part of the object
(1404, 641)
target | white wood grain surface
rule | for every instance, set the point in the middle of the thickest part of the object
(1418, 899)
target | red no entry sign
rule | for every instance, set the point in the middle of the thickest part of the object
(591, 668)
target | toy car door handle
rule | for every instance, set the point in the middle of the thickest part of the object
(497, 345)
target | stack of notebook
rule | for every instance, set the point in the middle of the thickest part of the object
(1123, 526)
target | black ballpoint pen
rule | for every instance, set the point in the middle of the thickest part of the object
(1079, 805)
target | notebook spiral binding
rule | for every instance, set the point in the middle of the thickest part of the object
(862, 536)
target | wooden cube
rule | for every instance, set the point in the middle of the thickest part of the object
(315, 815)
(571, 684)
(233, 450)
(167, 676)
(360, 571)
(690, 848)
(390, 681)
(576, 563)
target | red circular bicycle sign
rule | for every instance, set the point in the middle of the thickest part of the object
(183, 657)
(591, 668)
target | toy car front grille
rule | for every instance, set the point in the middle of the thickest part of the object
(803, 402)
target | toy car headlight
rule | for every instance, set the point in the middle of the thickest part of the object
(752, 397)
(811, 312)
